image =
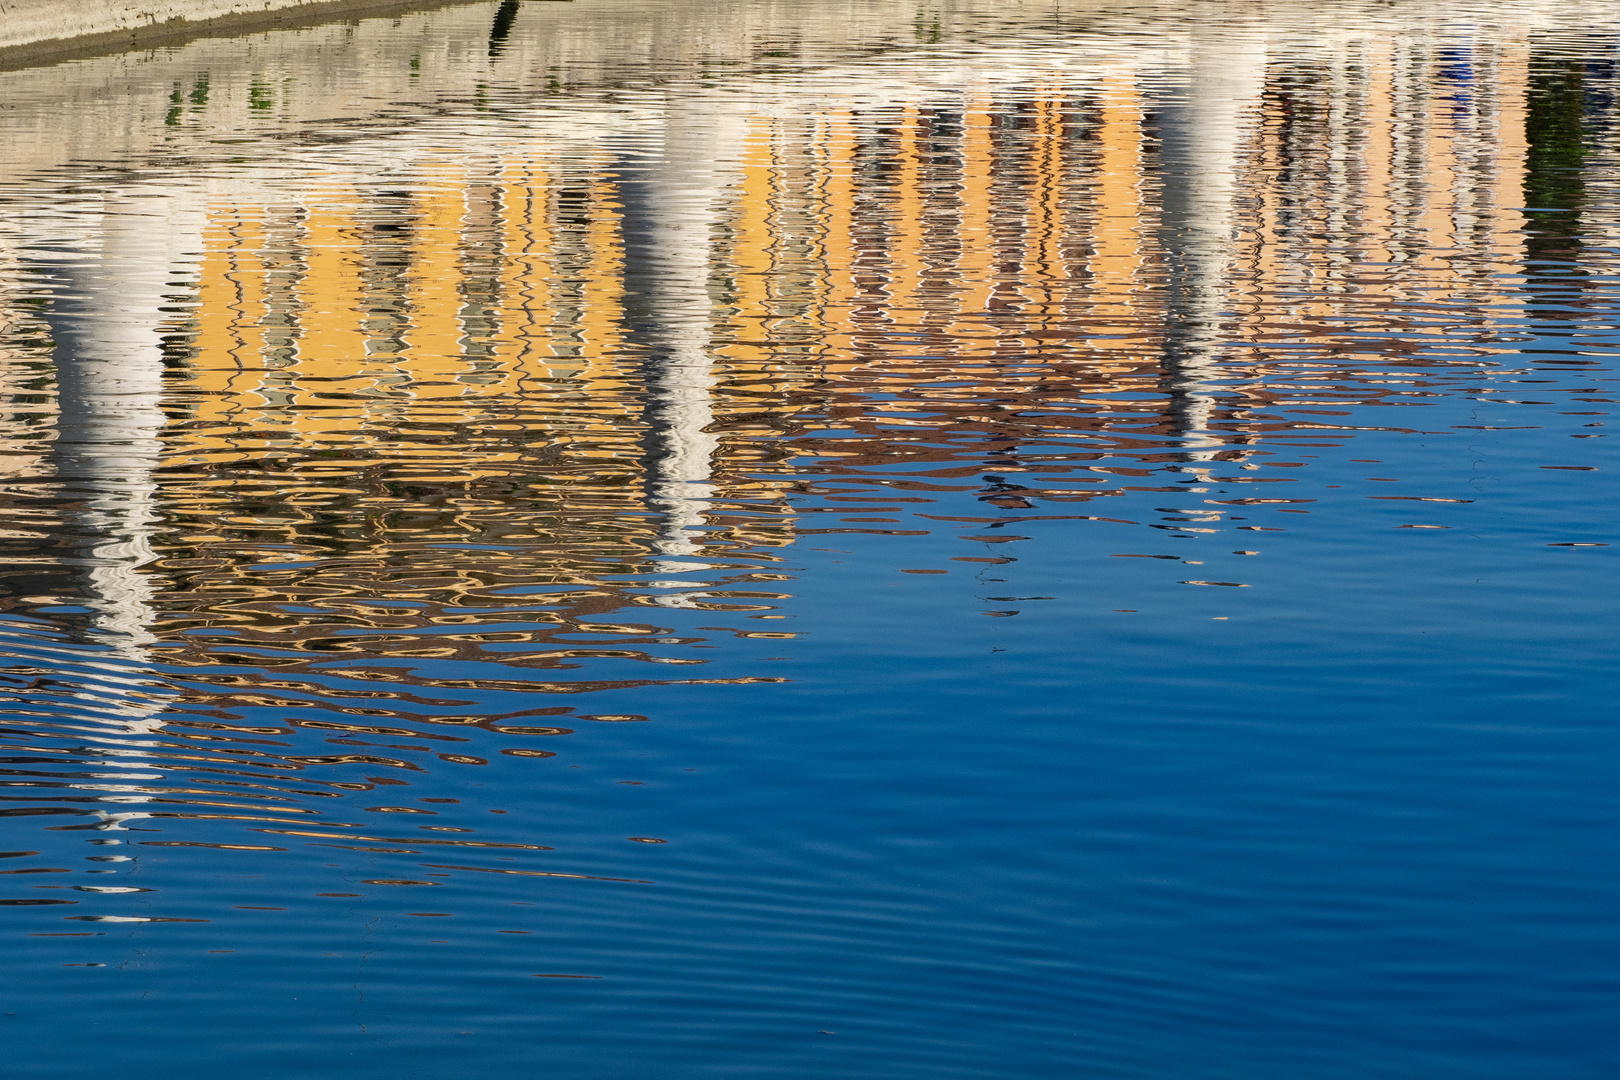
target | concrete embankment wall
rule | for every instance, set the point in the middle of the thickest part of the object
(44, 30)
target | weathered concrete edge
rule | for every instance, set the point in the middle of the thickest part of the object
(178, 31)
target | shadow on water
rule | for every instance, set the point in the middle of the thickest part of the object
(501, 28)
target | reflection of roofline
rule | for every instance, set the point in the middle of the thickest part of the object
(46, 122)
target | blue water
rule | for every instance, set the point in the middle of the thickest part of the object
(867, 661)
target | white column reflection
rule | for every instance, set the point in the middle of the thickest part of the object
(682, 195)
(106, 319)
(1206, 117)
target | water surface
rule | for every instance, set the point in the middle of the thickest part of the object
(895, 539)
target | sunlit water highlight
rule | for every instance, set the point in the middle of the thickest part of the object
(895, 539)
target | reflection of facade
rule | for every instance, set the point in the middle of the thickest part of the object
(1134, 225)
(458, 365)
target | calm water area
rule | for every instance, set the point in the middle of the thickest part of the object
(879, 539)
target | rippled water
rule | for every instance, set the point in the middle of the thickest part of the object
(893, 539)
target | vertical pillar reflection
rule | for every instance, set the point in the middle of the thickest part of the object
(105, 323)
(671, 205)
(1204, 124)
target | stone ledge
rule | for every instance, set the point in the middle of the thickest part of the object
(49, 31)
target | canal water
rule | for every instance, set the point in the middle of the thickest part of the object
(838, 538)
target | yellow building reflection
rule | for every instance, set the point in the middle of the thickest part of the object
(474, 364)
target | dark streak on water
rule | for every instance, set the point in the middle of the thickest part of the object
(867, 540)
